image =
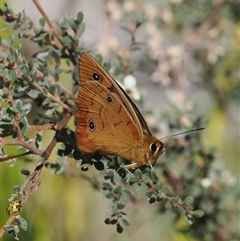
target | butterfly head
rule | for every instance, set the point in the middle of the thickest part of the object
(154, 148)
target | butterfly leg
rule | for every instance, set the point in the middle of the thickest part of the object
(150, 164)
(132, 165)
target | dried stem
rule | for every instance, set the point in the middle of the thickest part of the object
(34, 177)
(44, 91)
(7, 157)
(207, 24)
(41, 127)
(20, 143)
(40, 9)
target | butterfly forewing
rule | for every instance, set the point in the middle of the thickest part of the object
(88, 66)
(103, 123)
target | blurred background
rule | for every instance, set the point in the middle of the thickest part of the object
(187, 56)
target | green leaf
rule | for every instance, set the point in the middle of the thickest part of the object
(109, 195)
(11, 39)
(120, 206)
(132, 180)
(189, 218)
(51, 165)
(23, 125)
(79, 50)
(13, 230)
(158, 198)
(9, 227)
(149, 193)
(113, 221)
(64, 150)
(119, 228)
(125, 222)
(109, 174)
(16, 188)
(107, 186)
(12, 76)
(79, 18)
(153, 176)
(136, 185)
(33, 93)
(18, 104)
(40, 36)
(46, 101)
(4, 93)
(25, 70)
(56, 55)
(158, 187)
(72, 24)
(188, 200)
(50, 111)
(118, 190)
(38, 141)
(168, 205)
(152, 200)
(82, 29)
(98, 165)
(107, 66)
(138, 173)
(198, 213)
(77, 154)
(2, 152)
(188, 208)
(66, 40)
(25, 172)
(22, 222)
(166, 190)
(129, 193)
(121, 172)
(107, 221)
(23, 88)
(42, 22)
(114, 211)
(175, 200)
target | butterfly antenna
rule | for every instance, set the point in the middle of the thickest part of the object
(181, 133)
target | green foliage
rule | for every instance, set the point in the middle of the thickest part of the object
(184, 182)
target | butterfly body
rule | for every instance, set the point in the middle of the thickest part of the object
(108, 122)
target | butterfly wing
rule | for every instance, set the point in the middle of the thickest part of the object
(104, 125)
(90, 68)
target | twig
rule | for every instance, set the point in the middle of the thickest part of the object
(16, 115)
(34, 177)
(20, 143)
(41, 127)
(7, 157)
(209, 22)
(44, 91)
(40, 9)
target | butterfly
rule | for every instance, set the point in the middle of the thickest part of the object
(108, 121)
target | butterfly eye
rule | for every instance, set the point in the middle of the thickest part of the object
(91, 125)
(96, 76)
(109, 100)
(153, 147)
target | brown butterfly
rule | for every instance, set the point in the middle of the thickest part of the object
(108, 122)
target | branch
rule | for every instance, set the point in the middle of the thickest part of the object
(40, 9)
(44, 91)
(209, 22)
(32, 149)
(34, 177)
(7, 157)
